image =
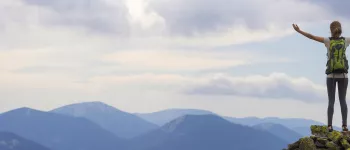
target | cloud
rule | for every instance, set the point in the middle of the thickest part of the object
(195, 17)
(176, 60)
(336, 7)
(276, 86)
(49, 55)
(32, 26)
(98, 16)
(39, 23)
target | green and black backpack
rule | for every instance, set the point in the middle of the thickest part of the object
(337, 61)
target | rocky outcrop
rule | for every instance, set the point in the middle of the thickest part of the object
(321, 139)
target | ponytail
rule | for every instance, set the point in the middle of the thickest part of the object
(336, 29)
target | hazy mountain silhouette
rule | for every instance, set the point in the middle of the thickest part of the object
(165, 116)
(280, 131)
(11, 141)
(299, 125)
(207, 132)
(58, 132)
(121, 123)
(288, 122)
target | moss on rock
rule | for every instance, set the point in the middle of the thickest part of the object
(307, 143)
(319, 130)
(294, 145)
(321, 142)
(335, 136)
(321, 139)
(345, 143)
(332, 146)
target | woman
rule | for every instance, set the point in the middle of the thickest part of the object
(333, 77)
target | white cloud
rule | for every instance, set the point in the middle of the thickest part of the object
(337, 8)
(144, 18)
(52, 56)
(48, 24)
(152, 92)
(192, 17)
(276, 85)
(239, 34)
(173, 60)
(94, 15)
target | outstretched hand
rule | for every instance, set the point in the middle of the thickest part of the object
(308, 35)
(296, 28)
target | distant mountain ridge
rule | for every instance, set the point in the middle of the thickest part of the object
(206, 132)
(288, 122)
(280, 131)
(165, 116)
(299, 125)
(120, 123)
(11, 141)
(91, 125)
(58, 132)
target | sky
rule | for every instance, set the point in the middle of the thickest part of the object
(236, 58)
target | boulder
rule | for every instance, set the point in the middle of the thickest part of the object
(321, 139)
(307, 143)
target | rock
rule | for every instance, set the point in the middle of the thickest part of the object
(321, 142)
(306, 143)
(346, 133)
(321, 139)
(318, 130)
(332, 146)
(320, 145)
(313, 138)
(345, 143)
(294, 146)
(335, 136)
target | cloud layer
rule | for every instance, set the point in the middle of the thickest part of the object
(275, 86)
(154, 53)
(191, 17)
(93, 15)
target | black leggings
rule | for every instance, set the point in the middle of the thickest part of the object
(342, 87)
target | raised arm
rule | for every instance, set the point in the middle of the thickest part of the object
(308, 35)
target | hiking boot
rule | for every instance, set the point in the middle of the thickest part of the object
(330, 128)
(345, 128)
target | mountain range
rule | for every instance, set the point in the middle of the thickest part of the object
(279, 131)
(10, 141)
(298, 125)
(165, 116)
(301, 126)
(207, 132)
(58, 132)
(96, 125)
(120, 123)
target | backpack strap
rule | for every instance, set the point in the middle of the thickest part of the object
(333, 38)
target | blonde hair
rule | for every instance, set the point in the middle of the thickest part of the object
(336, 29)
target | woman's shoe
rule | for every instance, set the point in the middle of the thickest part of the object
(330, 128)
(345, 128)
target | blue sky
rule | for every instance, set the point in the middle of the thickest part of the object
(231, 57)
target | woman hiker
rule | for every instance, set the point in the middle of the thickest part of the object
(337, 69)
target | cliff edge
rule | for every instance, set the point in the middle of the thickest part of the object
(321, 139)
